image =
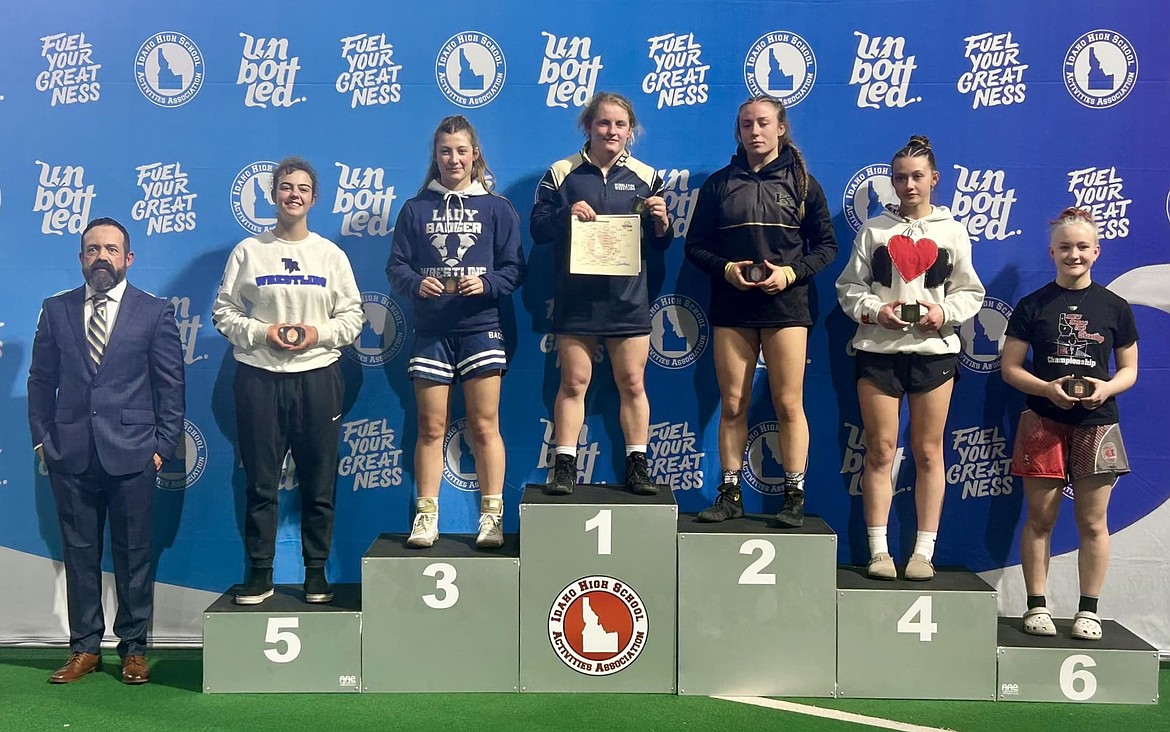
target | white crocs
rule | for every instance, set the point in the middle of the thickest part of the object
(1038, 621)
(1086, 626)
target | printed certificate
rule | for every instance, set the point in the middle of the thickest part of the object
(611, 245)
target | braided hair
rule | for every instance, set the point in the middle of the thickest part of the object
(785, 141)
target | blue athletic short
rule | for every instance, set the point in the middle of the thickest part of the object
(445, 358)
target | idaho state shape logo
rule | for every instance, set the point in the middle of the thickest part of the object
(912, 258)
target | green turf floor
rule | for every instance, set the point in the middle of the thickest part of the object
(172, 702)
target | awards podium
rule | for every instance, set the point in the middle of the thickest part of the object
(605, 591)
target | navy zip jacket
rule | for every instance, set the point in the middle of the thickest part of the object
(743, 215)
(596, 305)
(442, 233)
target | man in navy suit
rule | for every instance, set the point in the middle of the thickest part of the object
(105, 408)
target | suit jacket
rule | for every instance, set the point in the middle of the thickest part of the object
(130, 408)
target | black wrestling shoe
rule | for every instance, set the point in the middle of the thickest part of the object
(792, 513)
(728, 505)
(638, 475)
(317, 588)
(257, 589)
(564, 476)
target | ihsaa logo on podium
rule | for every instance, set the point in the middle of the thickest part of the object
(982, 336)
(763, 466)
(458, 460)
(190, 460)
(169, 69)
(678, 331)
(598, 625)
(470, 69)
(867, 193)
(1100, 69)
(383, 331)
(781, 65)
(251, 197)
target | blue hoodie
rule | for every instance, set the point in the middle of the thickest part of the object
(442, 233)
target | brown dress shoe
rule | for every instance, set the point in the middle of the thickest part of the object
(79, 665)
(134, 670)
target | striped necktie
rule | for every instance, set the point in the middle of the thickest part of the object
(96, 332)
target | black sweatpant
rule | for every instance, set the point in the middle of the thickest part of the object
(275, 413)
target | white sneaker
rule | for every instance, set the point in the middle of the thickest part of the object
(491, 531)
(424, 531)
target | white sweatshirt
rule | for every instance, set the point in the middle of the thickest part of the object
(922, 260)
(269, 280)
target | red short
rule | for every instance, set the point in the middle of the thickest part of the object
(1048, 449)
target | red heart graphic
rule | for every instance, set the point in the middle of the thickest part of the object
(912, 258)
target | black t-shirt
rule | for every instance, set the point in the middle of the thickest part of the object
(1073, 333)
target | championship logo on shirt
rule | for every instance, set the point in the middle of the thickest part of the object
(190, 460)
(169, 69)
(458, 460)
(72, 74)
(678, 331)
(251, 197)
(763, 468)
(383, 331)
(1100, 69)
(982, 336)
(867, 193)
(781, 65)
(470, 69)
(598, 625)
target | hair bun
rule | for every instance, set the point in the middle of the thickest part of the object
(1072, 213)
(918, 141)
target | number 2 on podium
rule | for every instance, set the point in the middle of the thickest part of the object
(603, 522)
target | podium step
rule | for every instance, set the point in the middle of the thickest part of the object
(757, 608)
(441, 619)
(1121, 668)
(284, 644)
(916, 640)
(598, 590)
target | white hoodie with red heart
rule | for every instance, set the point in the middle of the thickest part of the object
(921, 260)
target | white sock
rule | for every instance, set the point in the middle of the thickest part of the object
(877, 541)
(427, 505)
(635, 448)
(567, 450)
(924, 544)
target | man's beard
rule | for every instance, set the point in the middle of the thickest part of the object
(103, 277)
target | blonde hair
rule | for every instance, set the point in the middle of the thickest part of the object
(1072, 216)
(585, 120)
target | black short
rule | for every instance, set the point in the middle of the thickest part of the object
(905, 373)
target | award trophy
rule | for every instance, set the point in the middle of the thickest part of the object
(911, 312)
(1078, 388)
(755, 273)
(291, 335)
